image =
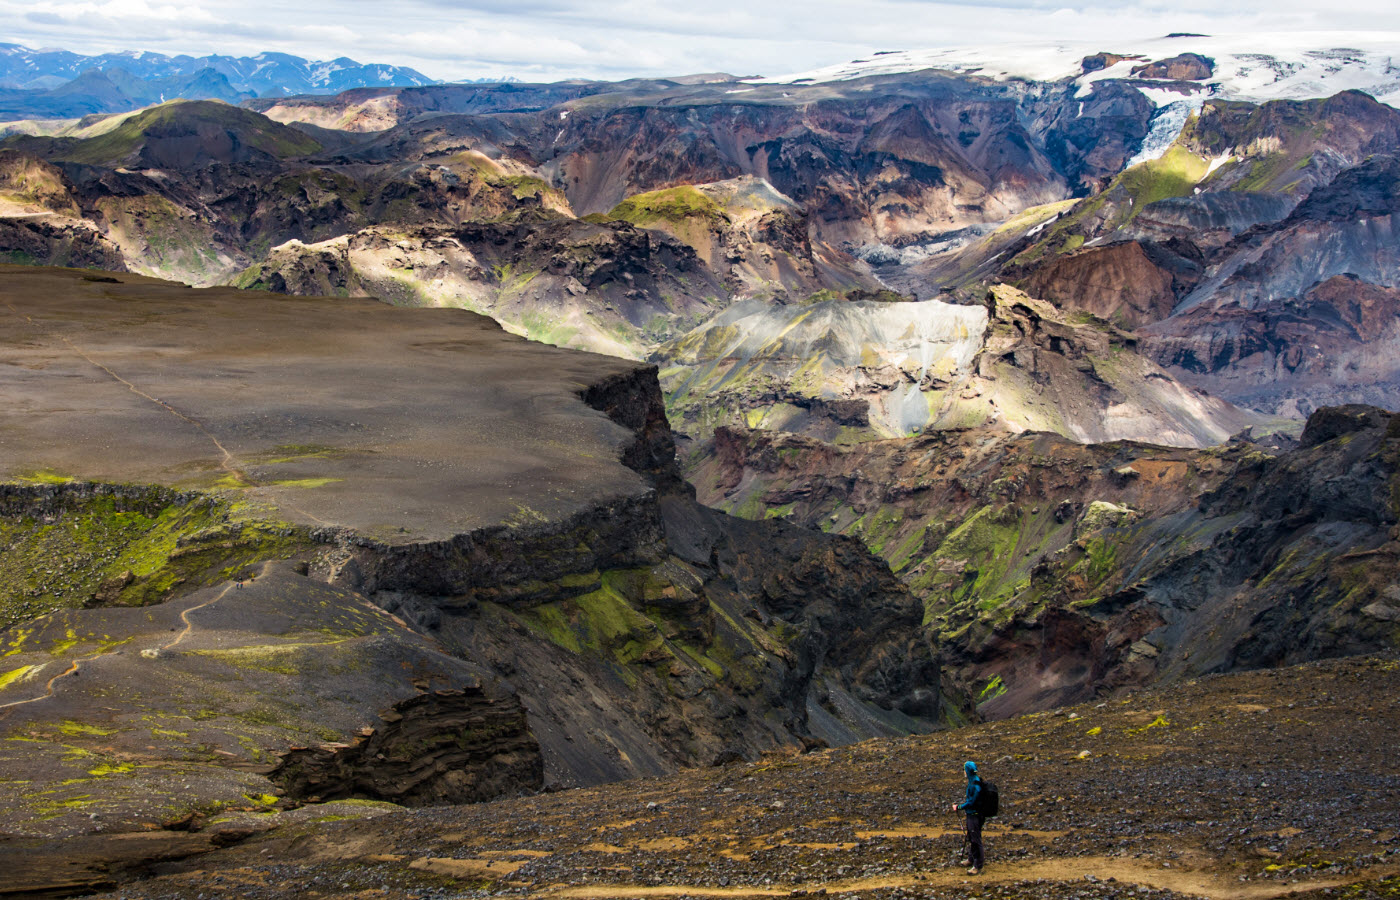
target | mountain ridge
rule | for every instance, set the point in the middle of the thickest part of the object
(263, 74)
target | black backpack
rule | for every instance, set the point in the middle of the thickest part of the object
(988, 800)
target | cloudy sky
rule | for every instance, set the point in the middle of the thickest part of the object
(554, 39)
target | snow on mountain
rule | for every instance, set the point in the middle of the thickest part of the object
(263, 74)
(1256, 67)
(1166, 125)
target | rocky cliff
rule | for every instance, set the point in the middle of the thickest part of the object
(211, 569)
(606, 286)
(1336, 343)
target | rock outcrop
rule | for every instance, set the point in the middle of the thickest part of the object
(456, 746)
(603, 286)
(1337, 343)
(1117, 283)
(1182, 67)
(1055, 572)
(752, 237)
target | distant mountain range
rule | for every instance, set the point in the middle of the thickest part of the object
(61, 84)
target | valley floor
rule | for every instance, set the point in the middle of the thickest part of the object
(1240, 787)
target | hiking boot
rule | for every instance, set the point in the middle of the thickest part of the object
(974, 870)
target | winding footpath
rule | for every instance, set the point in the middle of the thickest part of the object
(74, 667)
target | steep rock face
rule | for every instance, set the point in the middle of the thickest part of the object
(831, 366)
(58, 242)
(843, 371)
(1193, 229)
(1054, 572)
(31, 186)
(1092, 142)
(1335, 344)
(1346, 227)
(754, 238)
(1292, 146)
(1040, 370)
(1097, 62)
(1117, 283)
(746, 635)
(1281, 151)
(1291, 316)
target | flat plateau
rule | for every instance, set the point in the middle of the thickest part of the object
(405, 425)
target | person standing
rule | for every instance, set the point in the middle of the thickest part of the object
(973, 825)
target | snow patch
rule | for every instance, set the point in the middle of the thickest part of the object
(1216, 163)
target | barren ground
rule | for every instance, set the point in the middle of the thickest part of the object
(1242, 787)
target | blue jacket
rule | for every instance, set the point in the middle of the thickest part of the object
(974, 787)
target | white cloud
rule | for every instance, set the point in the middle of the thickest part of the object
(551, 39)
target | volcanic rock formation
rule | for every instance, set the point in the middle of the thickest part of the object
(248, 522)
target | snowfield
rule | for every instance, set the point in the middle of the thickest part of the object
(1255, 67)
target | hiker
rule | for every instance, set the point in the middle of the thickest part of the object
(972, 839)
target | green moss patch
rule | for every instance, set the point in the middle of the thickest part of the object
(672, 205)
(125, 547)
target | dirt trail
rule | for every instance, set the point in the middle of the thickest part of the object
(185, 617)
(227, 463)
(1125, 872)
(73, 668)
(49, 685)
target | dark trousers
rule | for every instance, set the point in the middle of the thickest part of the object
(974, 839)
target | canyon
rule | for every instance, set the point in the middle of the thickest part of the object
(383, 463)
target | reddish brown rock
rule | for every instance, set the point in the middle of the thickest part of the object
(1118, 283)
